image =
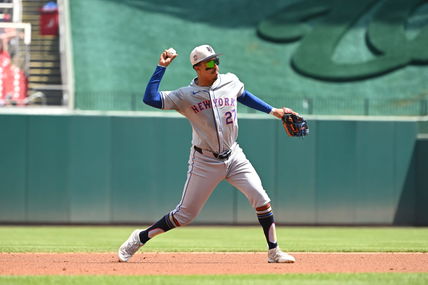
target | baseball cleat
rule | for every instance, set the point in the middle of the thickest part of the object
(130, 246)
(276, 255)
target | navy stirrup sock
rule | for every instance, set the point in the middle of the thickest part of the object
(165, 224)
(266, 220)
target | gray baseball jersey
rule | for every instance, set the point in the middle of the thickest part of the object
(212, 112)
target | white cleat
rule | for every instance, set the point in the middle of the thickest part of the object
(130, 246)
(276, 255)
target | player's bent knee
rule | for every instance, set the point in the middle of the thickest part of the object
(263, 207)
(259, 200)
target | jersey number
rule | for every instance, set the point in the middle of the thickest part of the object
(230, 116)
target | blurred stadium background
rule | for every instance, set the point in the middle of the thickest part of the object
(78, 146)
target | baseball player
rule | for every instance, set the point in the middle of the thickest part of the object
(210, 104)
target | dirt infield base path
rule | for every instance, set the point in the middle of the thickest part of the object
(206, 263)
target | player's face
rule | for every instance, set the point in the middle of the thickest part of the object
(209, 64)
(208, 69)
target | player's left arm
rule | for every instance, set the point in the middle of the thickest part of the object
(252, 101)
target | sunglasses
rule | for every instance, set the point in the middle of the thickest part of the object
(212, 63)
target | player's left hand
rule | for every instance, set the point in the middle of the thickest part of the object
(279, 113)
(295, 125)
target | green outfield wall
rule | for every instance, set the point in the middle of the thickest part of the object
(322, 57)
(130, 169)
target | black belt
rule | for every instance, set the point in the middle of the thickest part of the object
(223, 156)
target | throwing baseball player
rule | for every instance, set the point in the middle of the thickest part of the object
(210, 104)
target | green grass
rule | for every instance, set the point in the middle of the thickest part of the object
(301, 279)
(225, 239)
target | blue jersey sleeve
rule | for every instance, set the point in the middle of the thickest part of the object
(254, 102)
(152, 95)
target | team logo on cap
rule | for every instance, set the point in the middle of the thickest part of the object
(209, 49)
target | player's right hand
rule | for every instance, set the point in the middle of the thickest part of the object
(166, 58)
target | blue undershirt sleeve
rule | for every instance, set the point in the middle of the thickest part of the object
(152, 95)
(254, 102)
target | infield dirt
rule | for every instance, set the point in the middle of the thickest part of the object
(206, 263)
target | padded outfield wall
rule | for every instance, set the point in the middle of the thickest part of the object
(106, 168)
(322, 57)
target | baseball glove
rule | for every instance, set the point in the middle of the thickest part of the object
(295, 125)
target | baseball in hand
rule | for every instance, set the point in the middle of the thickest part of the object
(171, 52)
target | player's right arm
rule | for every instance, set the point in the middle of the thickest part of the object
(152, 95)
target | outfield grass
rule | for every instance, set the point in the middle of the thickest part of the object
(289, 279)
(224, 239)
